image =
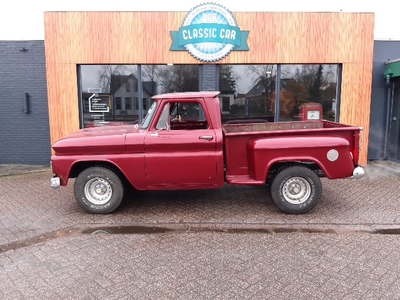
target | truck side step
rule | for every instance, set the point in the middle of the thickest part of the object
(243, 180)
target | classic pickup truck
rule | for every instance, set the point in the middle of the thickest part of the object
(183, 144)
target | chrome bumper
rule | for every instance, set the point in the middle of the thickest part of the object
(358, 172)
(55, 182)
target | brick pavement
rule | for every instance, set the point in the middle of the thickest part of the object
(230, 243)
(205, 266)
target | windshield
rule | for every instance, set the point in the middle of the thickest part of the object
(149, 116)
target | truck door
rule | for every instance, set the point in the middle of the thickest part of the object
(180, 149)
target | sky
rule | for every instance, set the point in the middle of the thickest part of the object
(23, 19)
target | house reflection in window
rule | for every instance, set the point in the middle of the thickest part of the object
(120, 84)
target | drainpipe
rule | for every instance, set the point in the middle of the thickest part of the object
(388, 115)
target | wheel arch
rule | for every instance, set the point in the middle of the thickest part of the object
(79, 166)
(276, 166)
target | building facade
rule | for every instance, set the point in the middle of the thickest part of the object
(280, 61)
(102, 68)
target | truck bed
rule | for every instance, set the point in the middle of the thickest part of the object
(234, 129)
(238, 137)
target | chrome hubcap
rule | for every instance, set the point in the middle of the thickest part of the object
(296, 190)
(98, 191)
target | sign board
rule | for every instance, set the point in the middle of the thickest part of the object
(209, 32)
(99, 103)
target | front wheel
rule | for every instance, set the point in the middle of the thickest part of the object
(98, 190)
(296, 190)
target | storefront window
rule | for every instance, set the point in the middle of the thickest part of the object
(247, 92)
(107, 93)
(110, 93)
(302, 84)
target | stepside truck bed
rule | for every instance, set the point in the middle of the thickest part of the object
(239, 155)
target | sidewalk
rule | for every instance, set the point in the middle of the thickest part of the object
(17, 169)
(385, 166)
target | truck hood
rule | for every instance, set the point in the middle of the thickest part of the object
(95, 140)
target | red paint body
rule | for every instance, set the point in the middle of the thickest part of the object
(197, 157)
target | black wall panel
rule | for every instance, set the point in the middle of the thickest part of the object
(24, 120)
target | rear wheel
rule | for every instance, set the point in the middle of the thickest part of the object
(98, 190)
(296, 190)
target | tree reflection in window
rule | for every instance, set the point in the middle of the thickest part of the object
(248, 91)
(308, 83)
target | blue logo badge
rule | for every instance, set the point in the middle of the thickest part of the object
(209, 32)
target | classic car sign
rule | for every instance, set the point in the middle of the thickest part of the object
(209, 33)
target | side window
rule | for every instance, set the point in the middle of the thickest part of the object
(187, 116)
(163, 120)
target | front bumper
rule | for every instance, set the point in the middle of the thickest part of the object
(55, 182)
(358, 172)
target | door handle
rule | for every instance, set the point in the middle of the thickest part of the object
(206, 137)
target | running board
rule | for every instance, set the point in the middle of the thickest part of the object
(243, 180)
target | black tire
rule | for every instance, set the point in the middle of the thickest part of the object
(296, 190)
(98, 190)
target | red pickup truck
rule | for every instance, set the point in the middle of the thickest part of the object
(182, 144)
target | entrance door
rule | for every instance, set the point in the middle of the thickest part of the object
(394, 133)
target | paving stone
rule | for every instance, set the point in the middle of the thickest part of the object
(230, 243)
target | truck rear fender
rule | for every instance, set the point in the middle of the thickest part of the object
(331, 154)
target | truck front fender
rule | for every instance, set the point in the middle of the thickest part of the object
(331, 153)
(131, 166)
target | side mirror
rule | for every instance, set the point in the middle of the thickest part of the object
(165, 127)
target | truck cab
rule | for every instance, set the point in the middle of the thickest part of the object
(184, 143)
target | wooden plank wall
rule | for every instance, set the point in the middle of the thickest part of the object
(73, 38)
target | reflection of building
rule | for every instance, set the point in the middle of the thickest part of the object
(260, 95)
(122, 102)
(227, 96)
(125, 93)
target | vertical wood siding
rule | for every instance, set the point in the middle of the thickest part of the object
(73, 38)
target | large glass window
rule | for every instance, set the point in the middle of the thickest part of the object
(247, 92)
(106, 93)
(110, 93)
(302, 84)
